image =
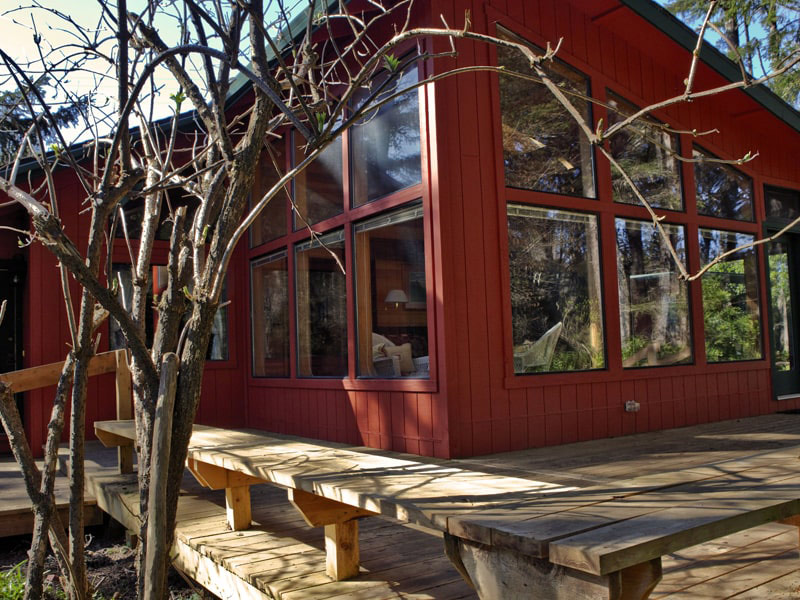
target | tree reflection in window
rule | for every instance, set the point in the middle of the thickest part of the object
(321, 307)
(654, 319)
(781, 203)
(730, 297)
(722, 191)
(271, 221)
(543, 147)
(318, 191)
(386, 143)
(269, 284)
(780, 286)
(646, 152)
(556, 305)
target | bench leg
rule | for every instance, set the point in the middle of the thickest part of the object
(341, 530)
(125, 459)
(502, 573)
(795, 520)
(237, 507)
(341, 550)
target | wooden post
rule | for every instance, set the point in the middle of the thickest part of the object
(341, 550)
(341, 530)
(237, 507)
(156, 549)
(795, 520)
(124, 408)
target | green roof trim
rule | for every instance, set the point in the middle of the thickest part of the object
(682, 34)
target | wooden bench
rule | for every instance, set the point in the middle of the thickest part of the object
(509, 537)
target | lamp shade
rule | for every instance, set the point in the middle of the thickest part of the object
(396, 296)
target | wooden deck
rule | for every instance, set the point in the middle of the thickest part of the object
(284, 558)
(16, 517)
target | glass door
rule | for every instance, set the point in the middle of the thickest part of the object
(783, 255)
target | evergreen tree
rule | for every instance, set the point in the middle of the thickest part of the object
(16, 120)
(765, 32)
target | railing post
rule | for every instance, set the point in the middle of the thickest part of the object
(124, 407)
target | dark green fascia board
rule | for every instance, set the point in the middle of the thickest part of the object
(683, 35)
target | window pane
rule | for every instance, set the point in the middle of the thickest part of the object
(133, 209)
(321, 307)
(386, 144)
(543, 147)
(269, 284)
(780, 285)
(123, 275)
(391, 298)
(653, 301)
(722, 191)
(318, 191)
(782, 203)
(218, 344)
(271, 223)
(556, 302)
(647, 154)
(730, 297)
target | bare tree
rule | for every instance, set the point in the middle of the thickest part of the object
(317, 75)
(305, 75)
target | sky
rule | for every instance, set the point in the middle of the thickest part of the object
(18, 25)
(17, 29)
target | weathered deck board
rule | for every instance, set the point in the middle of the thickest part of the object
(281, 556)
(289, 556)
(16, 517)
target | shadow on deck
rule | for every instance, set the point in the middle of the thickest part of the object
(282, 557)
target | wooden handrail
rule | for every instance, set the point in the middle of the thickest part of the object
(114, 361)
(34, 378)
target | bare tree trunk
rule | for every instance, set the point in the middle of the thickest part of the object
(43, 518)
(42, 506)
(83, 354)
(157, 552)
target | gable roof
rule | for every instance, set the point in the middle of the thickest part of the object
(686, 37)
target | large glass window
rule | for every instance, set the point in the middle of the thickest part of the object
(218, 344)
(653, 302)
(730, 297)
(123, 281)
(782, 203)
(157, 284)
(271, 222)
(133, 210)
(556, 300)
(385, 143)
(391, 298)
(269, 284)
(318, 191)
(646, 151)
(722, 191)
(779, 260)
(321, 307)
(544, 149)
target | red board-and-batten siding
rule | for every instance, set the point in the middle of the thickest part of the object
(490, 410)
(476, 405)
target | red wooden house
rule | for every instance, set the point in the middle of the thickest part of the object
(504, 289)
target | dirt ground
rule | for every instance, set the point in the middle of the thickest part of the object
(110, 563)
